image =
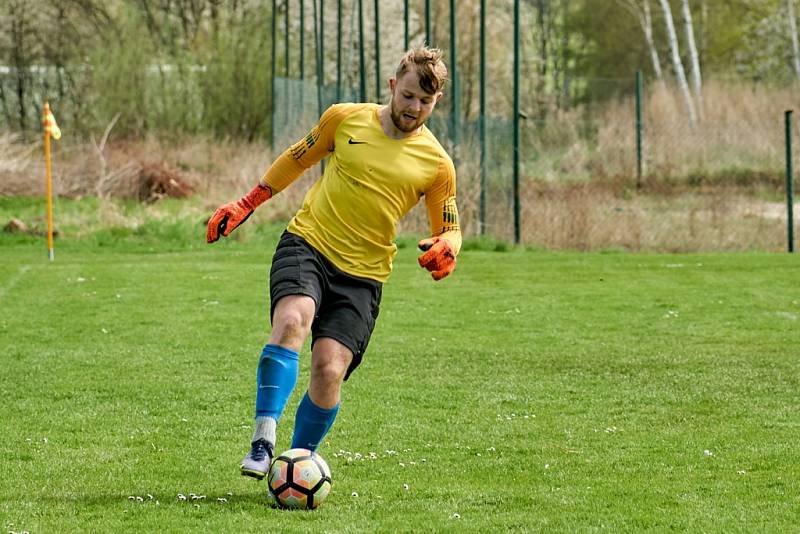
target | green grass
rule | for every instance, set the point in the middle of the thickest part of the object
(532, 391)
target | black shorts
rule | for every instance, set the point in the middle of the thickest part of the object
(346, 305)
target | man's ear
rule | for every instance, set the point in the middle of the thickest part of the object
(439, 96)
(392, 84)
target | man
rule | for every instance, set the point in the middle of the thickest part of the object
(330, 264)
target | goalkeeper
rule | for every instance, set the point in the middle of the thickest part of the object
(331, 262)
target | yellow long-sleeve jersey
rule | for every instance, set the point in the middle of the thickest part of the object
(351, 213)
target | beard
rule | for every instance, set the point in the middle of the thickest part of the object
(403, 123)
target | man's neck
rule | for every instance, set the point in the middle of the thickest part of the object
(389, 128)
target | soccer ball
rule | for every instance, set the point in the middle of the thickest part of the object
(299, 478)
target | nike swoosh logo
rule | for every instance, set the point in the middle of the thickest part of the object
(267, 386)
(351, 142)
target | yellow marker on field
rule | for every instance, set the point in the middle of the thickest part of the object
(50, 130)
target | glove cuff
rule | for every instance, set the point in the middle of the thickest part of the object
(257, 196)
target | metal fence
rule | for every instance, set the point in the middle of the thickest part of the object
(717, 184)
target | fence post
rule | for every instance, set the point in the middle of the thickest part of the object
(339, 51)
(302, 46)
(319, 59)
(272, 77)
(789, 181)
(286, 67)
(319, 52)
(405, 26)
(286, 45)
(517, 236)
(321, 77)
(378, 87)
(482, 120)
(639, 127)
(455, 109)
(362, 68)
(428, 29)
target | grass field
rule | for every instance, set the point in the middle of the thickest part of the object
(532, 391)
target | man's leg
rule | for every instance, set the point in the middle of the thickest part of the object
(277, 376)
(317, 411)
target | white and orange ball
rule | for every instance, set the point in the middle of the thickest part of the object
(299, 478)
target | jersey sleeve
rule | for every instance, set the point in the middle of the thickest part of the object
(306, 152)
(440, 199)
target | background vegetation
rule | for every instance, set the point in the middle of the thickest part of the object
(204, 65)
(151, 93)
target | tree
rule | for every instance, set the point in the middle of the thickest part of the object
(697, 80)
(793, 35)
(644, 17)
(544, 26)
(677, 65)
(22, 51)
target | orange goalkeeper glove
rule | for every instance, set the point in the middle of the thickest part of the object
(438, 257)
(232, 214)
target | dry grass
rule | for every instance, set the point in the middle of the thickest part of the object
(84, 169)
(17, 166)
(606, 216)
(741, 128)
(603, 215)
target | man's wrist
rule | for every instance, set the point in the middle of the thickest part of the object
(257, 196)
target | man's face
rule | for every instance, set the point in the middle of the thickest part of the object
(411, 105)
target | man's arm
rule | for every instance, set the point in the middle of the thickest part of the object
(441, 248)
(289, 166)
(307, 152)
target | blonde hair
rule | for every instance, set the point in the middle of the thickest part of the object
(428, 64)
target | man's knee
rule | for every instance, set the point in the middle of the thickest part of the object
(329, 372)
(291, 328)
(291, 322)
(330, 361)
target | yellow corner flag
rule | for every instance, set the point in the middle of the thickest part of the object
(50, 130)
(50, 126)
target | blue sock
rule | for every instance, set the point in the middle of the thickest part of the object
(277, 375)
(311, 424)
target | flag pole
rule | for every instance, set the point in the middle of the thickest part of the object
(51, 252)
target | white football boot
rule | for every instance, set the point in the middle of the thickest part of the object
(256, 463)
